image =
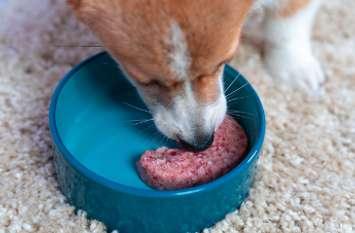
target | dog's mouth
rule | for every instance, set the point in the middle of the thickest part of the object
(199, 146)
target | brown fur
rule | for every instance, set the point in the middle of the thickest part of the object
(292, 7)
(136, 33)
(206, 88)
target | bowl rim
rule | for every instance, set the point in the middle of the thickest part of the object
(92, 176)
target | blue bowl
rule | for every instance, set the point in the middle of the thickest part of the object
(97, 145)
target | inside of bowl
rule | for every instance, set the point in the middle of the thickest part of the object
(105, 126)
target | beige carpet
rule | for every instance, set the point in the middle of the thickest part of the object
(306, 180)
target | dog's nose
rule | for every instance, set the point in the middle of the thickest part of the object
(200, 143)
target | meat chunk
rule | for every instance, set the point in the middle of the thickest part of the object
(170, 169)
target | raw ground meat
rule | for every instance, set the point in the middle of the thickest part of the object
(170, 169)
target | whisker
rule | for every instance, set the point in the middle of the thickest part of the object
(148, 127)
(236, 90)
(138, 120)
(78, 45)
(238, 98)
(241, 112)
(230, 85)
(135, 120)
(143, 121)
(136, 107)
(242, 116)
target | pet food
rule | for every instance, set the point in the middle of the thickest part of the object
(169, 169)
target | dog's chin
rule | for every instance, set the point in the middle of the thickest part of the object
(166, 125)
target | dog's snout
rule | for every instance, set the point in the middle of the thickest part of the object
(189, 122)
(201, 142)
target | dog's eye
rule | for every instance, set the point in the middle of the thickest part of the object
(218, 67)
(229, 59)
(176, 85)
(205, 77)
(152, 84)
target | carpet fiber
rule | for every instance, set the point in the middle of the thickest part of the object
(306, 180)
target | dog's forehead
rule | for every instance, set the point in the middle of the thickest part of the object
(159, 35)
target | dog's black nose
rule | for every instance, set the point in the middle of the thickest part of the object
(200, 143)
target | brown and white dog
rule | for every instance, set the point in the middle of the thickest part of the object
(174, 51)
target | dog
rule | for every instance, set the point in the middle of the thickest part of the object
(174, 51)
